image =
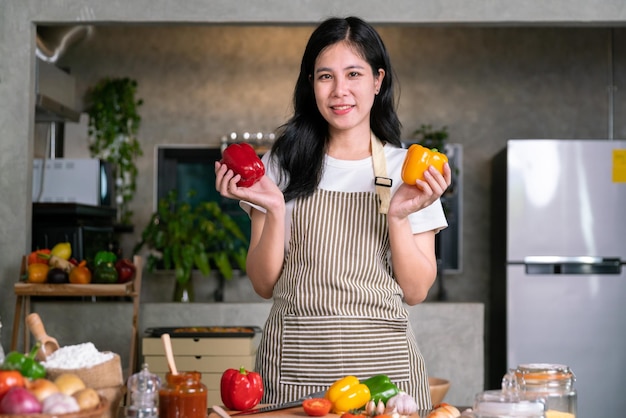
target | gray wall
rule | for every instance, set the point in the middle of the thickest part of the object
(486, 84)
(487, 72)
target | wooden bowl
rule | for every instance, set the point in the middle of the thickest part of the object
(438, 389)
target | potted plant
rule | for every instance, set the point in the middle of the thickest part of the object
(183, 237)
(113, 126)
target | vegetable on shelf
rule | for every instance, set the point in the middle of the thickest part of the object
(25, 363)
(61, 263)
(104, 257)
(417, 161)
(348, 394)
(39, 257)
(80, 274)
(105, 273)
(37, 273)
(381, 388)
(243, 160)
(62, 250)
(241, 389)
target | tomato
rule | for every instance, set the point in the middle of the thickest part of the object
(352, 415)
(38, 273)
(9, 379)
(317, 407)
(39, 257)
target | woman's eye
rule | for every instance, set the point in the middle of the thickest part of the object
(354, 74)
(324, 77)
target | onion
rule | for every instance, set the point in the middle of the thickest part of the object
(19, 401)
(60, 403)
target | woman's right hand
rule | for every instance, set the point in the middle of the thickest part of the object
(263, 193)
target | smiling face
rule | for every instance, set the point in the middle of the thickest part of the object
(345, 87)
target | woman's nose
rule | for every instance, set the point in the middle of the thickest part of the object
(340, 87)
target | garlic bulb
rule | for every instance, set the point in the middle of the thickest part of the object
(403, 403)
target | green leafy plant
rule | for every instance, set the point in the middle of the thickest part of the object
(184, 238)
(113, 126)
(429, 137)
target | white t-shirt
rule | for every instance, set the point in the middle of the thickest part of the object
(358, 176)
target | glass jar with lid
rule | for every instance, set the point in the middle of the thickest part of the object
(502, 404)
(183, 396)
(554, 382)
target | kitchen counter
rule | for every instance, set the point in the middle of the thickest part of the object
(450, 335)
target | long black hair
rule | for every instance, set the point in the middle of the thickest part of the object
(300, 147)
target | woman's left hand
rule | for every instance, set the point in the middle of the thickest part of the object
(409, 199)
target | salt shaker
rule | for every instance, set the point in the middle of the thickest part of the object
(502, 404)
(144, 390)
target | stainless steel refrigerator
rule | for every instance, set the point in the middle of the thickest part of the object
(558, 277)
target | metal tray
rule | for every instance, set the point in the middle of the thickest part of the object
(235, 331)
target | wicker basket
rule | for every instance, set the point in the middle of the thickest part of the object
(97, 412)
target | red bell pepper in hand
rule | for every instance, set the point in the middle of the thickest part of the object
(243, 160)
(240, 389)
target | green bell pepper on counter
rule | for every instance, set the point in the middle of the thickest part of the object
(25, 363)
(381, 388)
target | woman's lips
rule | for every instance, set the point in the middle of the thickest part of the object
(341, 109)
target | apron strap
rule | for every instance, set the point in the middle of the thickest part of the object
(382, 182)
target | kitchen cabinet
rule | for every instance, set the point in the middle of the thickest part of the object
(24, 291)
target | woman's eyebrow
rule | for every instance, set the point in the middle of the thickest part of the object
(350, 67)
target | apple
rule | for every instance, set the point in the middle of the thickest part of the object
(126, 270)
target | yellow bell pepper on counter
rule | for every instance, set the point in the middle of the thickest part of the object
(348, 394)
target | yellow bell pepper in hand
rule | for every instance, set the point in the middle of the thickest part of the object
(417, 161)
(348, 394)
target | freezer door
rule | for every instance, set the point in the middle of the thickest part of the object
(566, 198)
(577, 320)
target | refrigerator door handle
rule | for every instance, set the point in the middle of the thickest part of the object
(572, 265)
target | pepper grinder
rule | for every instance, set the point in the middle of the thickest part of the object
(144, 390)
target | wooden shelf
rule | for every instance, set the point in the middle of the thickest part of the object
(35, 289)
(24, 291)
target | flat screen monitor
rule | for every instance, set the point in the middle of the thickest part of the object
(186, 168)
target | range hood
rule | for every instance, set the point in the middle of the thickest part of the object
(55, 92)
(56, 89)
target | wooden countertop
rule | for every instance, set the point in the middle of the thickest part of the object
(298, 412)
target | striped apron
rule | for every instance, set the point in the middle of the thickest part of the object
(337, 309)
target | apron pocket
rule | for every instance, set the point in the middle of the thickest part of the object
(320, 350)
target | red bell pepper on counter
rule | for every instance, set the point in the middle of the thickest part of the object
(240, 389)
(243, 160)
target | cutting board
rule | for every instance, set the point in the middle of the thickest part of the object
(298, 412)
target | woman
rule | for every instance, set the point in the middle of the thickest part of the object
(334, 246)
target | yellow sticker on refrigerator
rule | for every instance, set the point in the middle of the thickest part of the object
(619, 166)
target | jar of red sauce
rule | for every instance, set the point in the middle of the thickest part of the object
(183, 396)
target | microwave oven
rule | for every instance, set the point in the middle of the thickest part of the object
(86, 181)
